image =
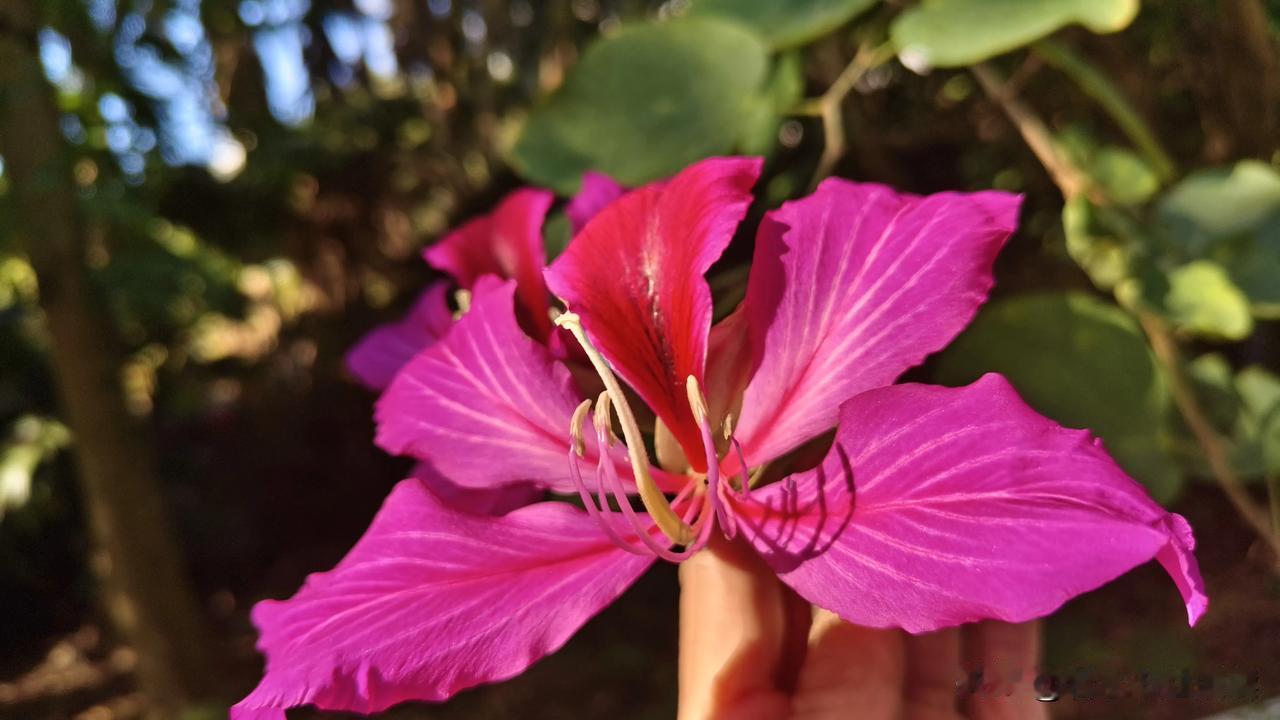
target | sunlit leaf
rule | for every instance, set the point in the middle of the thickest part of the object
(32, 440)
(1202, 299)
(645, 102)
(1082, 362)
(785, 24)
(952, 33)
(1231, 216)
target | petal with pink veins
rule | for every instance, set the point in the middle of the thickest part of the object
(432, 601)
(497, 500)
(852, 286)
(380, 354)
(488, 406)
(507, 243)
(597, 191)
(635, 277)
(939, 506)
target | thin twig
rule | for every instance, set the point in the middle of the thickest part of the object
(1067, 176)
(1213, 445)
(831, 111)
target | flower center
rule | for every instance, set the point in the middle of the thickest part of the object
(677, 528)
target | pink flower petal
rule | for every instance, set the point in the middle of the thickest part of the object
(498, 500)
(939, 506)
(487, 406)
(635, 276)
(432, 601)
(380, 354)
(506, 243)
(852, 286)
(597, 191)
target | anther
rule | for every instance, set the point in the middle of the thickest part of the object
(664, 516)
(575, 427)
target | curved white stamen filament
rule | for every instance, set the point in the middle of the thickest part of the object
(698, 404)
(669, 522)
(607, 477)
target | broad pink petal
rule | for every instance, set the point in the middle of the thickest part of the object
(939, 506)
(497, 500)
(635, 276)
(432, 601)
(506, 243)
(380, 354)
(852, 286)
(487, 406)
(597, 191)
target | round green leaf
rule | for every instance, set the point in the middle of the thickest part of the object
(645, 102)
(1231, 216)
(953, 33)
(1224, 202)
(1083, 363)
(785, 24)
(1202, 299)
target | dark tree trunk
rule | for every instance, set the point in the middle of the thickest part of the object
(143, 587)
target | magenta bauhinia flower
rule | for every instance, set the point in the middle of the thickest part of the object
(506, 243)
(932, 507)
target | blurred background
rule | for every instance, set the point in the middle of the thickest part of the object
(204, 203)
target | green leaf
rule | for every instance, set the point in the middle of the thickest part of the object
(1260, 394)
(785, 24)
(1082, 362)
(1122, 176)
(1202, 299)
(1231, 216)
(1103, 256)
(954, 33)
(645, 102)
(783, 90)
(1221, 202)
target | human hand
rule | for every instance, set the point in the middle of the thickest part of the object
(750, 649)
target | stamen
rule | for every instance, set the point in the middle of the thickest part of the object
(744, 478)
(670, 523)
(576, 449)
(698, 404)
(462, 297)
(607, 477)
(702, 526)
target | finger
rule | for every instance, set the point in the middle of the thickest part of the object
(1007, 656)
(850, 671)
(933, 669)
(733, 627)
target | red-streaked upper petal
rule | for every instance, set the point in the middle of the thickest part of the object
(852, 286)
(486, 406)
(939, 506)
(506, 243)
(597, 191)
(432, 601)
(635, 276)
(380, 354)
